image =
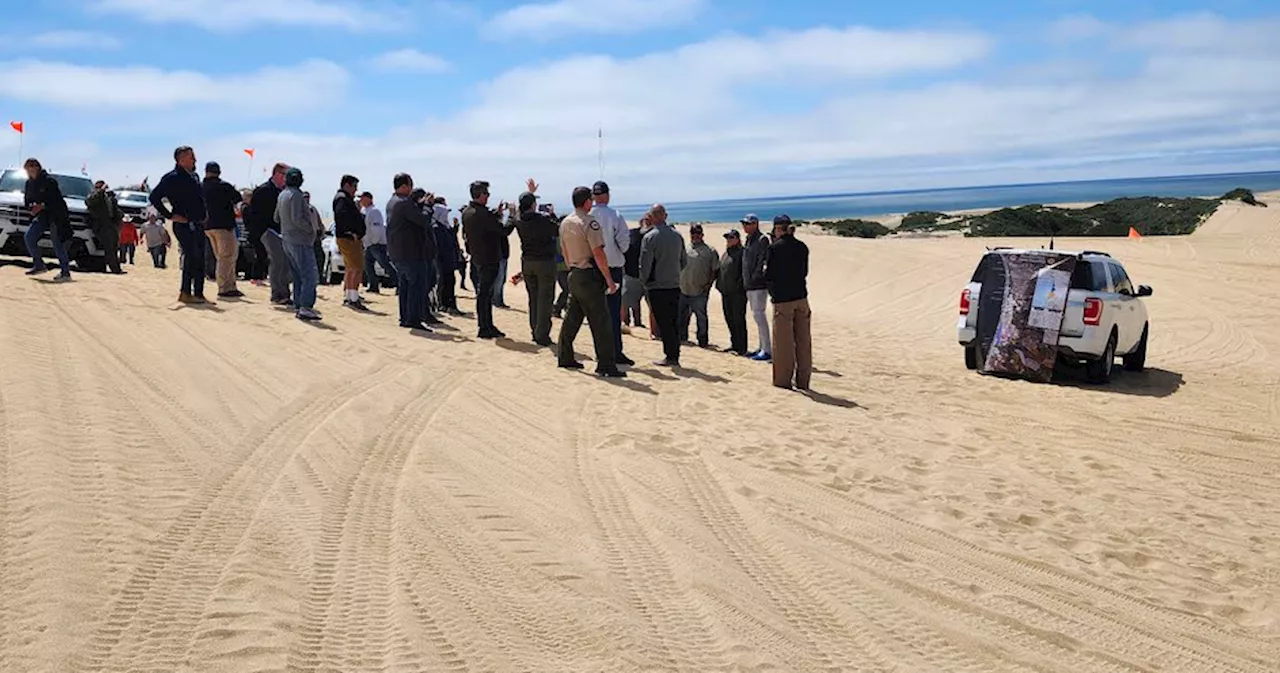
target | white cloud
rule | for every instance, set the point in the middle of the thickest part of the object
(69, 39)
(1078, 28)
(545, 20)
(280, 89)
(234, 14)
(411, 60)
(860, 109)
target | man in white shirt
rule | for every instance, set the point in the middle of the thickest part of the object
(617, 239)
(375, 243)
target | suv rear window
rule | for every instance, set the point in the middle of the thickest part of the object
(987, 260)
(1089, 276)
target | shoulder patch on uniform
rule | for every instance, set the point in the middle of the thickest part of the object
(594, 224)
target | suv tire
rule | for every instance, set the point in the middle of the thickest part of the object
(1099, 371)
(971, 357)
(1137, 360)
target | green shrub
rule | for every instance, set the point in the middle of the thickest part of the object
(856, 228)
(1242, 194)
(1151, 216)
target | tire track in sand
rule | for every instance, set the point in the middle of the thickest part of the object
(152, 622)
(348, 614)
(676, 635)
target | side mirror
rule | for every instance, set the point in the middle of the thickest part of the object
(1145, 291)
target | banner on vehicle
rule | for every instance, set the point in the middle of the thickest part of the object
(1025, 339)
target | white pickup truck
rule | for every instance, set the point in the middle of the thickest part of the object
(1104, 317)
(15, 219)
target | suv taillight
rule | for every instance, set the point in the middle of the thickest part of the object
(1092, 311)
(964, 302)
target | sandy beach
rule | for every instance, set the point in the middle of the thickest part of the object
(230, 490)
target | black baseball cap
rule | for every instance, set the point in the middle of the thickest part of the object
(695, 229)
(213, 167)
(782, 221)
(732, 233)
(600, 187)
(527, 201)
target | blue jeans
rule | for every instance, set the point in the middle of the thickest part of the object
(412, 289)
(38, 226)
(302, 264)
(193, 242)
(376, 253)
(500, 283)
(694, 305)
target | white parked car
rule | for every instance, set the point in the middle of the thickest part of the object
(334, 267)
(15, 219)
(1105, 317)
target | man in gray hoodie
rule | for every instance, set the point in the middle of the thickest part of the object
(662, 259)
(298, 232)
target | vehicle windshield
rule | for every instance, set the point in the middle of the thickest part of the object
(15, 180)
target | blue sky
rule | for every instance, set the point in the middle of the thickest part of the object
(698, 99)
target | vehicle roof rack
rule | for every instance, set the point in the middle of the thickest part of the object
(1095, 252)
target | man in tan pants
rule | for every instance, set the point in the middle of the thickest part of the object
(220, 200)
(785, 274)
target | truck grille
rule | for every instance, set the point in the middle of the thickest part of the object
(22, 215)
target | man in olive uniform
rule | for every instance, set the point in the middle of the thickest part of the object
(105, 218)
(582, 242)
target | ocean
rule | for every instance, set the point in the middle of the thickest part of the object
(828, 206)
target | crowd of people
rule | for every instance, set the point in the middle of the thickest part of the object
(604, 270)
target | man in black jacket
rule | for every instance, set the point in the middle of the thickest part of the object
(105, 219)
(348, 229)
(448, 258)
(270, 260)
(538, 234)
(482, 228)
(786, 271)
(733, 293)
(410, 247)
(43, 197)
(186, 210)
(221, 198)
(632, 286)
(753, 263)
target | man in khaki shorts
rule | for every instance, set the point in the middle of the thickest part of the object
(582, 242)
(349, 229)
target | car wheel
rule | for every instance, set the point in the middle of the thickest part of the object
(971, 357)
(1099, 371)
(1137, 360)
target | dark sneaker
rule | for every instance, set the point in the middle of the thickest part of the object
(37, 272)
(572, 365)
(62, 278)
(667, 363)
(432, 320)
(611, 374)
(626, 361)
(231, 295)
(309, 315)
(545, 343)
(762, 357)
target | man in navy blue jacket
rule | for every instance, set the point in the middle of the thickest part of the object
(186, 210)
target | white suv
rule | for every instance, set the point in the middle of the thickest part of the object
(1104, 317)
(15, 219)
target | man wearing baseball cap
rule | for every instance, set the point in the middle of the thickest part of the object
(786, 276)
(696, 280)
(733, 294)
(754, 256)
(221, 199)
(617, 240)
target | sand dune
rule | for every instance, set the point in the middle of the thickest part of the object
(232, 490)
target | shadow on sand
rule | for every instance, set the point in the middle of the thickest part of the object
(1149, 383)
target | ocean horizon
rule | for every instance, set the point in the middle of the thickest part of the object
(870, 204)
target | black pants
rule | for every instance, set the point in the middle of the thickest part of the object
(412, 288)
(109, 237)
(666, 318)
(735, 316)
(484, 278)
(258, 271)
(562, 279)
(319, 252)
(446, 294)
(540, 281)
(193, 241)
(587, 300)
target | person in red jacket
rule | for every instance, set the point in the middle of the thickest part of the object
(128, 240)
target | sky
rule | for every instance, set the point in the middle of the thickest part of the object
(694, 99)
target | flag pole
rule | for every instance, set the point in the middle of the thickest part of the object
(600, 151)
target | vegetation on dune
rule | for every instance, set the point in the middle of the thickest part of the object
(921, 220)
(856, 228)
(1244, 195)
(1149, 215)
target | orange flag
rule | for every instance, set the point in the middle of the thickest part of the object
(17, 126)
(249, 152)
(1133, 233)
